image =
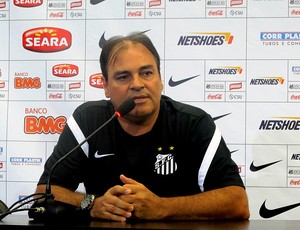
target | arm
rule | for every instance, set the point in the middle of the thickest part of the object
(224, 203)
(109, 206)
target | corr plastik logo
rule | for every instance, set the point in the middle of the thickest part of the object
(280, 38)
(24, 3)
(46, 39)
(205, 39)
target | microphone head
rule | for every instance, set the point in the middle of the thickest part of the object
(125, 107)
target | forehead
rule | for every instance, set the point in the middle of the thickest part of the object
(134, 52)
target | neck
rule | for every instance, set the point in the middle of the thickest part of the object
(137, 126)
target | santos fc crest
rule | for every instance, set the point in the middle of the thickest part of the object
(165, 163)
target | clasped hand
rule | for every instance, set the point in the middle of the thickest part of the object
(132, 200)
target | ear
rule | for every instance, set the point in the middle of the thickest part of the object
(105, 87)
(161, 84)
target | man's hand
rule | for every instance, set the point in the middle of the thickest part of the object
(146, 204)
(111, 207)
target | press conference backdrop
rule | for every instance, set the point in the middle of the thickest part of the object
(237, 59)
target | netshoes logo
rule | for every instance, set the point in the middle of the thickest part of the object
(46, 39)
(206, 39)
(228, 70)
(28, 3)
(283, 123)
(267, 81)
(65, 70)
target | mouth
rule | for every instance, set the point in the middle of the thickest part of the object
(140, 98)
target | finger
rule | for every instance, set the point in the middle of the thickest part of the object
(116, 213)
(127, 180)
(118, 191)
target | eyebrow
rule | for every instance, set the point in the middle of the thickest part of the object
(128, 72)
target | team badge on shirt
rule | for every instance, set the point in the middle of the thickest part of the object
(165, 163)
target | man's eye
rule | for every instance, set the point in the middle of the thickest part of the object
(122, 77)
(147, 74)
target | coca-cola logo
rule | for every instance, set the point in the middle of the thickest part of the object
(47, 39)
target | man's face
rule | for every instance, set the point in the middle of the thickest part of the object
(133, 73)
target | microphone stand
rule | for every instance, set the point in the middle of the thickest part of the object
(47, 208)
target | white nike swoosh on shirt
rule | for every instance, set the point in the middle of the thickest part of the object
(97, 155)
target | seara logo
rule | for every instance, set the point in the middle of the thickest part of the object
(46, 39)
(96, 80)
(28, 3)
(65, 70)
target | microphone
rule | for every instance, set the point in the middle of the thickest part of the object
(47, 208)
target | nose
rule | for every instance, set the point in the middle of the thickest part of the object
(137, 82)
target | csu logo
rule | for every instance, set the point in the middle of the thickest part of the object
(46, 39)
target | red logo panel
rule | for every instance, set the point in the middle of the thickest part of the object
(46, 39)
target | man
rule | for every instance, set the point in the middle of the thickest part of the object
(163, 160)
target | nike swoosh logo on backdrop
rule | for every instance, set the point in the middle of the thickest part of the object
(221, 116)
(94, 2)
(173, 83)
(255, 168)
(103, 40)
(233, 151)
(268, 213)
(97, 155)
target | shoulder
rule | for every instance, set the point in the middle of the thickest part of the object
(172, 106)
(95, 107)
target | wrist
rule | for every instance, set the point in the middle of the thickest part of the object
(87, 202)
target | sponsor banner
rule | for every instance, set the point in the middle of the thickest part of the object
(293, 172)
(204, 39)
(97, 35)
(294, 155)
(274, 203)
(267, 76)
(108, 9)
(19, 190)
(229, 118)
(238, 155)
(93, 81)
(40, 40)
(236, 12)
(27, 76)
(268, 123)
(154, 13)
(278, 40)
(25, 160)
(185, 83)
(37, 121)
(225, 70)
(266, 165)
(294, 12)
(235, 96)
